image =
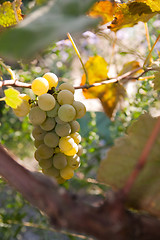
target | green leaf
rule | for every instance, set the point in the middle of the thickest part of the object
(12, 98)
(46, 24)
(121, 160)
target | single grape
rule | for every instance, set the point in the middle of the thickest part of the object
(80, 109)
(37, 143)
(65, 97)
(46, 163)
(66, 143)
(38, 133)
(60, 180)
(36, 156)
(67, 172)
(23, 109)
(59, 121)
(52, 79)
(46, 102)
(54, 112)
(59, 161)
(80, 150)
(66, 86)
(44, 151)
(77, 137)
(37, 116)
(48, 124)
(73, 161)
(40, 86)
(63, 130)
(67, 113)
(75, 126)
(52, 172)
(73, 151)
(51, 139)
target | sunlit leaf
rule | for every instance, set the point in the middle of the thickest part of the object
(121, 159)
(12, 98)
(10, 13)
(109, 94)
(104, 9)
(125, 14)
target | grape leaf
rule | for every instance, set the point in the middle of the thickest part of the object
(46, 24)
(10, 13)
(156, 81)
(109, 94)
(12, 98)
(121, 159)
(125, 14)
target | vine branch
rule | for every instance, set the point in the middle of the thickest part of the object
(125, 77)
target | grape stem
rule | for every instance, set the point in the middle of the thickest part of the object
(125, 77)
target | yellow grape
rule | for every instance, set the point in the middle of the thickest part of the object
(80, 150)
(66, 143)
(73, 151)
(40, 86)
(73, 161)
(23, 109)
(67, 172)
(52, 79)
(77, 137)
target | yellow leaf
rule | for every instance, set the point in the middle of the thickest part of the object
(10, 13)
(125, 14)
(104, 9)
(108, 94)
(12, 97)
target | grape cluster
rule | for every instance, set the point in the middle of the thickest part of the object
(56, 138)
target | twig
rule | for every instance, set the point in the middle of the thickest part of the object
(142, 159)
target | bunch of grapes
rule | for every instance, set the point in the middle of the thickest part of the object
(53, 114)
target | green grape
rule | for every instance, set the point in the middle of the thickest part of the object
(48, 124)
(37, 143)
(52, 79)
(73, 151)
(80, 109)
(63, 130)
(66, 86)
(23, 109)
(75, 126)
(52, 172)
(37, 116)
(67, 172)
(67, 113)
(59, 121)
(46, 102)
(36, 156)
(40, 86)
(44, 151)
(65, 97)
(51, 139)
(66, 143)
(59, 160)
(38, 133)
(54, 112)
(46, 163)
(73, 161)
(77, 137)
(80, 150)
